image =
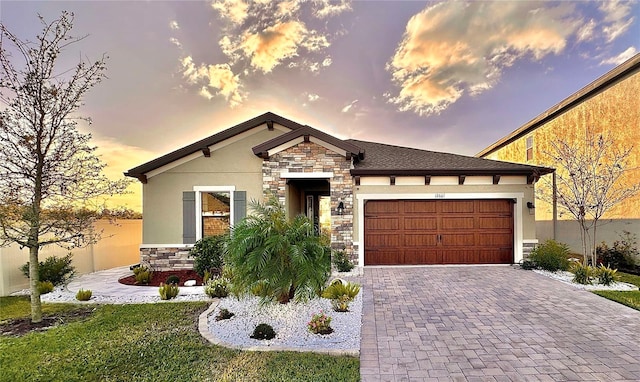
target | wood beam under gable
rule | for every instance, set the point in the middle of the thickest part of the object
(427, 180)
(206, 152)
(392, 180)
(357, 180)
(142, 178)
(496, 179)
(307, 138)
(270, 125)
(461, 179)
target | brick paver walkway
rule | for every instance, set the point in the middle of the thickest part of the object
(492, 324)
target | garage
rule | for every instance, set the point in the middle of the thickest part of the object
(403, 232)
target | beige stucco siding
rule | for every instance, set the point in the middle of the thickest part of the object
(232, 165)
(616, 112)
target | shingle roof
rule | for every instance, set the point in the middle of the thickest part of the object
(352, 150)
(269, 117)
(383, 159)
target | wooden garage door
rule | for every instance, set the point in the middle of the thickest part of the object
(438, 232)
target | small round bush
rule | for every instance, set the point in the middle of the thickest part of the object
(173, 279)
(341, 261)
(58, 270)
(208, 253)
(83, 295)
(551, 256)
(263, 332)
(45, 287)
(217, 287)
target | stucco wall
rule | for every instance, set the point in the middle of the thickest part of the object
(118, 247)
(615, 112)
(231, 165)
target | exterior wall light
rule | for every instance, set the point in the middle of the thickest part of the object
(340, 208)
(531, 207)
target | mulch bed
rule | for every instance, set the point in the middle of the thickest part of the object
(21, 326)
(161, 277)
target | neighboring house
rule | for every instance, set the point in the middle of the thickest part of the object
(381, 204)
(609, 105)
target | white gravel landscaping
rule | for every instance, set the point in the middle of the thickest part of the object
(289, 321)
(567, 277)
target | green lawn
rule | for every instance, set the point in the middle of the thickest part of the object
(148, 342)
(629, 298)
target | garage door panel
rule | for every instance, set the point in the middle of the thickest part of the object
(420, 240)
(458, 223)
(495, 206)
(457, 206)
(382, 206)
(383, 240)
(495, 239)
(419, 207)
(425, 223)
(385, 224)
(458, 240)
(383, 258)
(438, 232)
(495, 222)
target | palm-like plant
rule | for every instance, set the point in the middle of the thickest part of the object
(276, 257)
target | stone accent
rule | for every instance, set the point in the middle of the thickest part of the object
(167, 259)
(527, 248)
(311, 157)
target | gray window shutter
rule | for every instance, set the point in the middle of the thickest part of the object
(239, 206)
(188, 217)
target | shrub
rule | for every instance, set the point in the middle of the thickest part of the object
(341, 294)
(341, 261)
(527, 264)
(173, 279)
(208, 253)
(606, 275)
(168, 291)
(45, 287)
(143, 274)
(217, 287)
(320, 324)
(263, 332)
(55, 269)
(224, 314)
(623, 254)
(582, 274)
(83, 295)
(288, 257)
(551, 256)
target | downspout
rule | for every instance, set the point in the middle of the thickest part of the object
(555, 207)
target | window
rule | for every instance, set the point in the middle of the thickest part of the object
(529, 148)
(214, 210)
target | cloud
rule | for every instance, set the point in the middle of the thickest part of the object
(270, 34)
(616, 18)
(260, 36)
(219, 78)
(453, 48)
(622, 57)
(312, 97)
(349, 106)
(174, 25)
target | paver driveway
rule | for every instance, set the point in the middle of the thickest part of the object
(492, 324)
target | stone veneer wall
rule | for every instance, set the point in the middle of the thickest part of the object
(167, 259)
(311, 157)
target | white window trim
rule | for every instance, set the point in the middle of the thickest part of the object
(199, 190)
(518, 231)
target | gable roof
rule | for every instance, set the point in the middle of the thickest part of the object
(610, 78)
(202, 145)
(352, 151)
(383, 159)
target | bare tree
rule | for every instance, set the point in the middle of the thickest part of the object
(590, 181)
(49, 174)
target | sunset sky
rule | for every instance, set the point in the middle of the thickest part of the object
(442, 76)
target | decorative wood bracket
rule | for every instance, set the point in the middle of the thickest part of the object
(461, 179)
(496, 179)
(427, 180)
(270, 125)
(357, 180)
(392, 180)
(206, 152)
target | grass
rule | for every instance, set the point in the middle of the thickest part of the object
(149, 342)
(628, 298)
(18, 307)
